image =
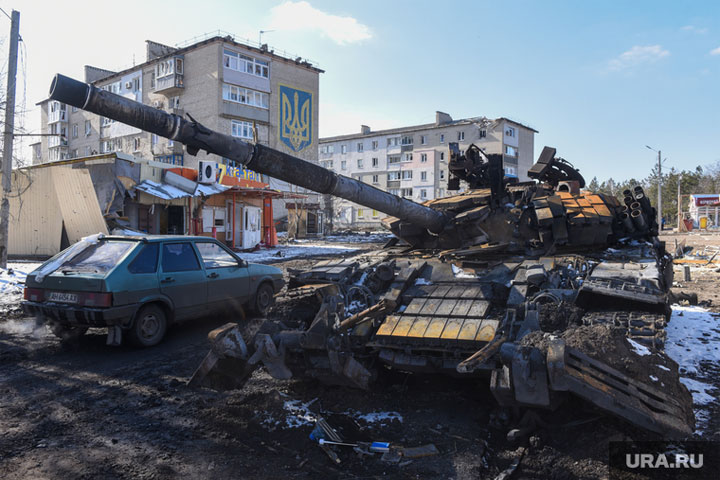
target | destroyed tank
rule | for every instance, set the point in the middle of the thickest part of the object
(506, 282)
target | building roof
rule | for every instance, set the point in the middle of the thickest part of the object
(88, 159)
(298, 61)
(426, 126)
(166, 191)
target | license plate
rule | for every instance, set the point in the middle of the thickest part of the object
(63, 297)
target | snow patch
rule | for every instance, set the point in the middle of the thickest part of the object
(461, 273)
(653, 378)
(422, 281)
(700, 391)
(299, 413)
(375, 417)
(641, 350)
(295, 251)
(12, 281)
(663, 367)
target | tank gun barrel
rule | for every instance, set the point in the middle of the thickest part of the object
(256, 157)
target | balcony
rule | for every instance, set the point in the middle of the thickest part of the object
(393, 184)
(57, 142)
(57, 116)
(169, 84)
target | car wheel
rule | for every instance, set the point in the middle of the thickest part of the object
(263, 299)
(67, 333)
(149, 326)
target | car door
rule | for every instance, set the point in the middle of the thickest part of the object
(183, 280)
(228, 284)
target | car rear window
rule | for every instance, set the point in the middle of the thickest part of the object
(99, 257)
(179, 257)
(146, 261)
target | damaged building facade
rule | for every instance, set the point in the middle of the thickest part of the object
(412, 161)
(235, 88)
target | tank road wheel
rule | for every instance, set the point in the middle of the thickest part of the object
(149, 326)
(263, 299)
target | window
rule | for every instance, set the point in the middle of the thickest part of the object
(407, 174)
(375, 179)
(327, 164)
(391, 159)
(374, 144)
(136, 144)
(88, 128)
(146, 260)
(245, 96)
(74, 153)
(169, 66)
(406, 192)
(171, 143)
(510, 151)
(407, 140)
(442, 155)
(441, 192)
(343, 165)
(423, 157)
(88, 151)
(99, 257)
(246, 64)
(360, 147)
(461, 136)
(407, 157)
(393, 176)
(174, 102)
(241, 129)
(179, 257)
(327, 149)
(214, 256)
(74, 131)
(483, 133)
(442, 138)
(107, 146)
(74, 109)
(442, 174)
(154, 139)
(393, 142)
(423, 139)
(343, 148)
(423, 193)
(511, 171)
(375, 213)
(395, 191)
(375, 162)
(509, 132)
(423, 176)
(360, 213)
(360, 163)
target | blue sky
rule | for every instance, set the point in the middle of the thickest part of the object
(599, 80)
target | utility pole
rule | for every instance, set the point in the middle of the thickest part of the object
(679, 205)
(7, 157)
(659, 212)
(659, 173)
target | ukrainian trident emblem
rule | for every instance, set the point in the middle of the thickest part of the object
(295, 117)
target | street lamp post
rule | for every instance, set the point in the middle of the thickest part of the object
(659, 203)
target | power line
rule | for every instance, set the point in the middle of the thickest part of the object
(3, 11)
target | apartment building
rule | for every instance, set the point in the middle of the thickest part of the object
(246, 91)
(413, 161)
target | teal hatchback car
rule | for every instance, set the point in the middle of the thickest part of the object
(137, 286)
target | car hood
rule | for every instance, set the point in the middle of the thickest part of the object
(258, 269)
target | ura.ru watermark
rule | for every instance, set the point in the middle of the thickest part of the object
(659, 460)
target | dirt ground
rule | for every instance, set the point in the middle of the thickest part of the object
(98, 412)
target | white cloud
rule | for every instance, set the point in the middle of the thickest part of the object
(715, 51)
(694, 29)
(299, 16)
(638, 55)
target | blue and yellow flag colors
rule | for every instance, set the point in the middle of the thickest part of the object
(295, 117)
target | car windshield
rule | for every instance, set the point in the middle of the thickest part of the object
(99, 257)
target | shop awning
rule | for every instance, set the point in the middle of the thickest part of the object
(166, 191)
(264, 193)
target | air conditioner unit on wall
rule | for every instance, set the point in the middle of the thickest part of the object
(207, 172)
